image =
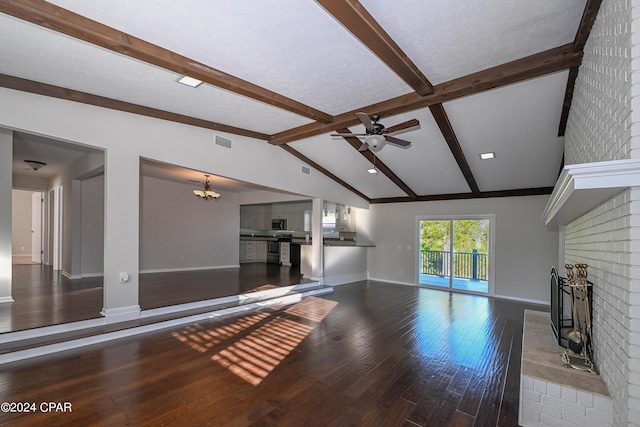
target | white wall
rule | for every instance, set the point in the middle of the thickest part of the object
(179, 231)
(344, 264)
(525, 250)
(21, 222)
(92, 226)
(70, 178)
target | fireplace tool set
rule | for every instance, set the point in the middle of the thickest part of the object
(578, 354)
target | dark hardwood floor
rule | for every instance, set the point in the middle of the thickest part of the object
(44, 297)
(370, 354)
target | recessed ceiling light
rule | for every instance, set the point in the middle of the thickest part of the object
(372, 171)
(190, 81)
(485, 156)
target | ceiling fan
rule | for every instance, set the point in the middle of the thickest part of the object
(376, 134)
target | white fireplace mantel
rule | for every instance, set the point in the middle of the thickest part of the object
(582, 187)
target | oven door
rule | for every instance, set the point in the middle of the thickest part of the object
(273, 252)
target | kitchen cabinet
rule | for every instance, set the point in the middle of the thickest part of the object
(253, 251)
(255, 219)
(247, 251)
(296, 221)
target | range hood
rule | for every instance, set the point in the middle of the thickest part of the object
(582, 187)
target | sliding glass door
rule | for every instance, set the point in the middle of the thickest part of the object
(455, 253)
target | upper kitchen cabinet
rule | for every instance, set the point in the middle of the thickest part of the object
(255, 217)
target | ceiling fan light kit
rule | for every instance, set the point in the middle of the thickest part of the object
(208, 193)
(377, 135)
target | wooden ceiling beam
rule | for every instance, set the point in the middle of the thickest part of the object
(568, 98)
(361, 24)
(540, 64)
(368, 154)
(71, 24)
(441, 118)
(584, 29)
(31, 86)
(322, 170)
(462, 196)
(586, 23)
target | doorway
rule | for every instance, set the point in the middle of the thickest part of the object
(456, 253)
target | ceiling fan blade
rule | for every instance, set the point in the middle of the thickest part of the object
(403, 126)
(366, 121)
(363, 147)
(348, 134)
(397, 141)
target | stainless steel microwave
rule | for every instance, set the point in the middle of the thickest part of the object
(278, 224)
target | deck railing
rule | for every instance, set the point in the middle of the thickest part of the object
(466, 265)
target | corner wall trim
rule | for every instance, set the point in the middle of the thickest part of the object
(6, 299)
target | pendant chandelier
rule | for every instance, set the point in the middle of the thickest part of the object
(207, 193)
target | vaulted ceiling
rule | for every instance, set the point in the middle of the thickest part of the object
(491, 76)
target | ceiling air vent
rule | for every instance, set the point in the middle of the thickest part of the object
(305, 170)
(224, 142)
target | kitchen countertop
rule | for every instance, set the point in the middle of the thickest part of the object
(302, 241)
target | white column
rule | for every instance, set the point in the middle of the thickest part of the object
(317, 244)
(121, 228)
(6, 166)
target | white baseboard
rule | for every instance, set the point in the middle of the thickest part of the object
(395, 282)
(171, 270)
(343, 279)
(85, 275)
(21, 255)
(70, 276)
(121, 314)
(6, 299)
(528, 300)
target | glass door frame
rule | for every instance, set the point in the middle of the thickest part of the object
(492, 249)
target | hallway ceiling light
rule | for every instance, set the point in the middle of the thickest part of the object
(34, 164)
(486, 156)
(208, 192)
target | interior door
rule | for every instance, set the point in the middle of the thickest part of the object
(36, 227)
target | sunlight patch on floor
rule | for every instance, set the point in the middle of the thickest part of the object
(256, 355)
(201, 338)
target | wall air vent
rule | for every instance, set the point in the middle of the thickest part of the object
(305, 170)
(224, 142)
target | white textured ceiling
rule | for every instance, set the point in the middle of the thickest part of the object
(299, 51)
(449, 39)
